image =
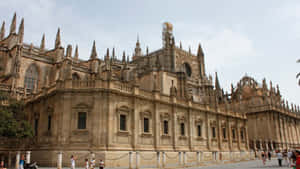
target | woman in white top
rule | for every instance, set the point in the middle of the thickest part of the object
(86, 163)
(279, 157)
(72, 162)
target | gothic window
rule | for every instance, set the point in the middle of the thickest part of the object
(31, 78)
(49, 122)
(224, 133)
(81, 120)
(122, 122)
(199, 130)
(187, 69)
(213, 132)
(146, 125)
(166, 127)
(146, 122)
(198, 125)
(36, 126)
(242, 134)
(233, 134)
(182, 128)
(75, 76)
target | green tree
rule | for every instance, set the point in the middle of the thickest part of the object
(12, 119)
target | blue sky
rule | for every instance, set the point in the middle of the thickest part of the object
(257, 38)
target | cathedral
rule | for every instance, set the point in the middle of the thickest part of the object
(158, 104)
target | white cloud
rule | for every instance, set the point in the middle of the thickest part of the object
(228, 47)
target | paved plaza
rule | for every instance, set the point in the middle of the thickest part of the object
(246, 165)
(254, 164)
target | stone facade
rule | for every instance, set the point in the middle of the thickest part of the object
(161, 101)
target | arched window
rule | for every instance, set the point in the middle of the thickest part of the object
(31, 77)
(75, 76)
(187, 69)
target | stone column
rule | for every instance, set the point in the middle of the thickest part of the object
(229, 134)
(198, 157)
(207, 130)
(136, 120)
(137, 160)
(164, 159)
(174, 124)
(179, 158)
(130, 160)
(184, 158)
(158, 159)
(18, 159)
(9, 159)
(28, 157)
(238, 134)
(190, 128)
(59, 160)
(157, 125)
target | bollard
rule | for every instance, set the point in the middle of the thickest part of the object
(137, 160)
(184, 158)
(158, 159)
(179, 158)
(28, 157)
(18, 159)
(164, 159)
(198, 157)
(130, 160)
(59, 160)
(9, 159)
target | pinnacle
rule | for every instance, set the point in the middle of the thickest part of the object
(76, 52)
(42, 47)
(57, 40)
(2, 31)
(13, 24)
(94, 51)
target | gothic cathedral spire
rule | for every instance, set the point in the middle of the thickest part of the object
(13, 24)
(42, 46)
(76, 53)
(57, 40)
(21, 31)
(94, 51)
(2, 31)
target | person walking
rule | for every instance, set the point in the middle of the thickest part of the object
(263, 157)
(297, 153)
(72, 162)
(269, 155)
(284, 154)
(22, 162)
(101, 164)
(93, 163)
(2, 165)
(289, 157)
(279, 158)
(87, 165)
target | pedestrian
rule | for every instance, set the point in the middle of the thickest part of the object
(297, 153)
(269, 155)
(284, 154)
(93, 163)
(263, 157)
(72, 162)
(294, 159)
(22, 162)
(2, 165)
(101, 164)
(279, 157)
(86, 163)
(289, 156)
